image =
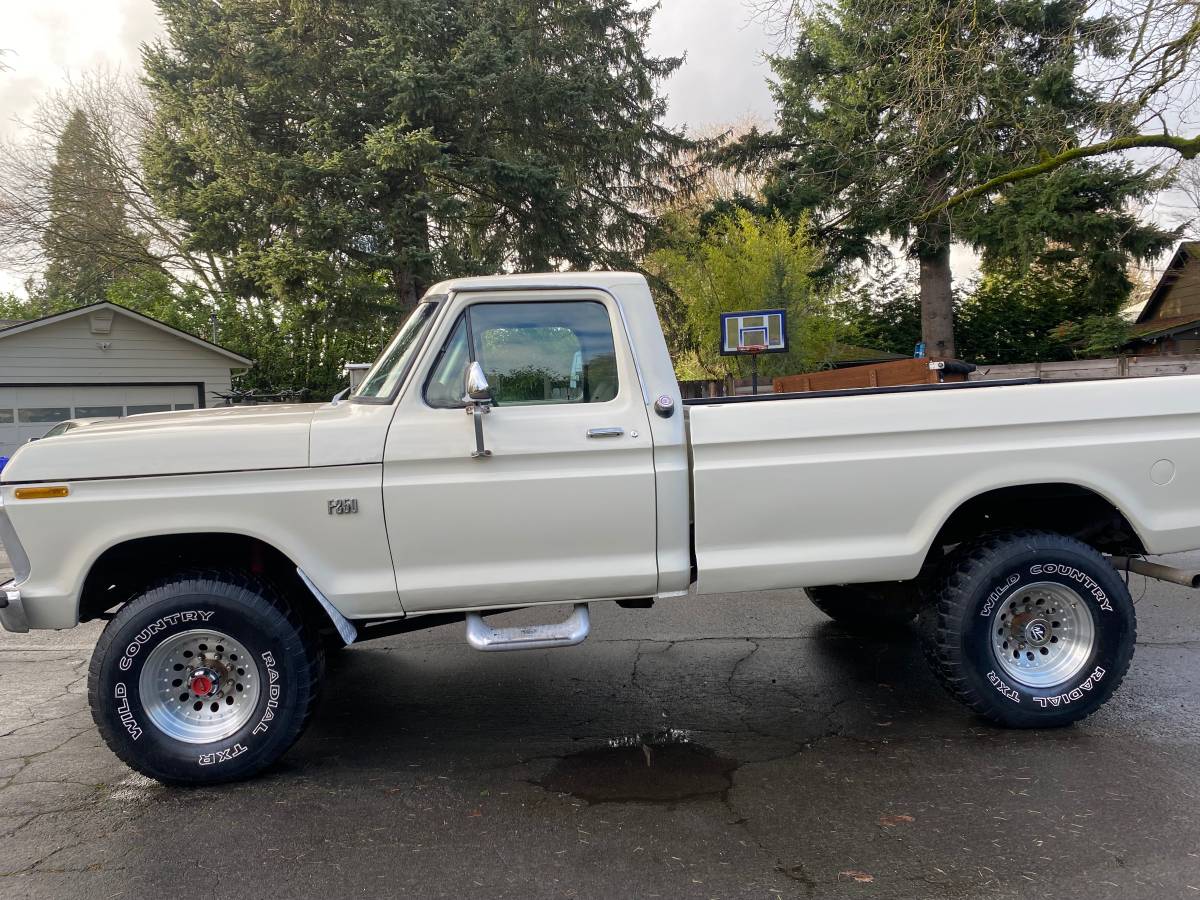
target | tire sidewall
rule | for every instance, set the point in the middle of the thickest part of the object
(1097, 585)
(265, 633)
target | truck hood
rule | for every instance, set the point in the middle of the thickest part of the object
(237, 438)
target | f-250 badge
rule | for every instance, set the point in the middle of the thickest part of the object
(343, 507)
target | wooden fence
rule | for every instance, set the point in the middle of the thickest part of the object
(885, 374)
(1070, 370)
(1087, 369)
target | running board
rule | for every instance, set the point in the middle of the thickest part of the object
(571, 631)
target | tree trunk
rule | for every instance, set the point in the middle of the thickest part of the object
(404, 286)
(937, 301)
(410, 257)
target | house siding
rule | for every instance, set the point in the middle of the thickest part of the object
(67, 352)
(1183, 294)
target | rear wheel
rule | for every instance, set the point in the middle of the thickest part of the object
(880, 607)
(1031, 629)
(203, 678)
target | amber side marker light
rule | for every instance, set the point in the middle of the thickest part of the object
(41, 493)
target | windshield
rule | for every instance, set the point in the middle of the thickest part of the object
(385, 375)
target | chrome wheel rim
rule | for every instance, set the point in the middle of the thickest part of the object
(1044, 635)
(199, 686)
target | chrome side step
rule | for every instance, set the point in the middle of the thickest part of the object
(573, 630)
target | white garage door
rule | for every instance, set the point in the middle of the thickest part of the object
(29, 411)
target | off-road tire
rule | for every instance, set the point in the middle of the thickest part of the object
(869, 608)
(287, 660)
(989, 580)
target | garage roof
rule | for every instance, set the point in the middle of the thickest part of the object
(7, 329)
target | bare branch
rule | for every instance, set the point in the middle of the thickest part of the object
(119, 115)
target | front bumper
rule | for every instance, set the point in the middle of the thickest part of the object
(12, 611)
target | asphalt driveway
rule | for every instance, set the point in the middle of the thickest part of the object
(729, 746)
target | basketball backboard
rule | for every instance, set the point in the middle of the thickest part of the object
(757, 331)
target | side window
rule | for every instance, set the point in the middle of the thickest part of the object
(532, 354)
(444, 390)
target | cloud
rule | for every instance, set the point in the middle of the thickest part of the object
(50, 40)
(724, 76)
(722, 80)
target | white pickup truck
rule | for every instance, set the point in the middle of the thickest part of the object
(522, 441)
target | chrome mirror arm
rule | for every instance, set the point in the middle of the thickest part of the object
(477, 410)
(478, 399)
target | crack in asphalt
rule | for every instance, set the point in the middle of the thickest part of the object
(41, 722)
(779, 868)
(83, 798)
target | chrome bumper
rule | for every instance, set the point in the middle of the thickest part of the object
(12, 612)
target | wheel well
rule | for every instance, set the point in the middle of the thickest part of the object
(1064, 508)
(124, 570)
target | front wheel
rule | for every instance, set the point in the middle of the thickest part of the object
(1030, 629)
(203, 678)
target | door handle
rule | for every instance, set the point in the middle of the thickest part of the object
(605, 432)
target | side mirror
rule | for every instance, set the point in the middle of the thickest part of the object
(477, 395)
(477, 389)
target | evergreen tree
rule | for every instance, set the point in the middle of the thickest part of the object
(1045, 313)
(86, 234)
(888, 110)
(1015, 318)
(342, 155)
(883, 314)
(1075, 227)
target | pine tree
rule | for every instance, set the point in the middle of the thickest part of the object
(1073, 225)
(887, 110)
(342, 155)
(86, 233)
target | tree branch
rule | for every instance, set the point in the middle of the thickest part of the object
(1188, 148)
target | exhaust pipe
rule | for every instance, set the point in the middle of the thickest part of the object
(1187, 577)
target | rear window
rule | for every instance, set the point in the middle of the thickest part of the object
(98, 412)
(40, 414)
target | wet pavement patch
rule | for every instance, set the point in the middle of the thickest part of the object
(647, 771)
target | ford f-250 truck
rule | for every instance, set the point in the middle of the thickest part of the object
(522, 441)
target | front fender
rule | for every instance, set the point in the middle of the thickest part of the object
(347, 556)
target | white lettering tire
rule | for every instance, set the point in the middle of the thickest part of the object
(1030, 629)
(203, 678)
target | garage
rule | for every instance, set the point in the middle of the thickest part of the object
(103, 361)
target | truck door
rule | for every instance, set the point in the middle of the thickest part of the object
(563, 508)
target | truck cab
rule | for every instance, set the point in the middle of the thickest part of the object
(572, 477)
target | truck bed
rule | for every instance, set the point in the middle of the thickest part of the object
(854, 485)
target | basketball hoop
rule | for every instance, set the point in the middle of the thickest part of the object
(752, 333)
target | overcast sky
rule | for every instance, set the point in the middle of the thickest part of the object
(723, 80)
(47, 40)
